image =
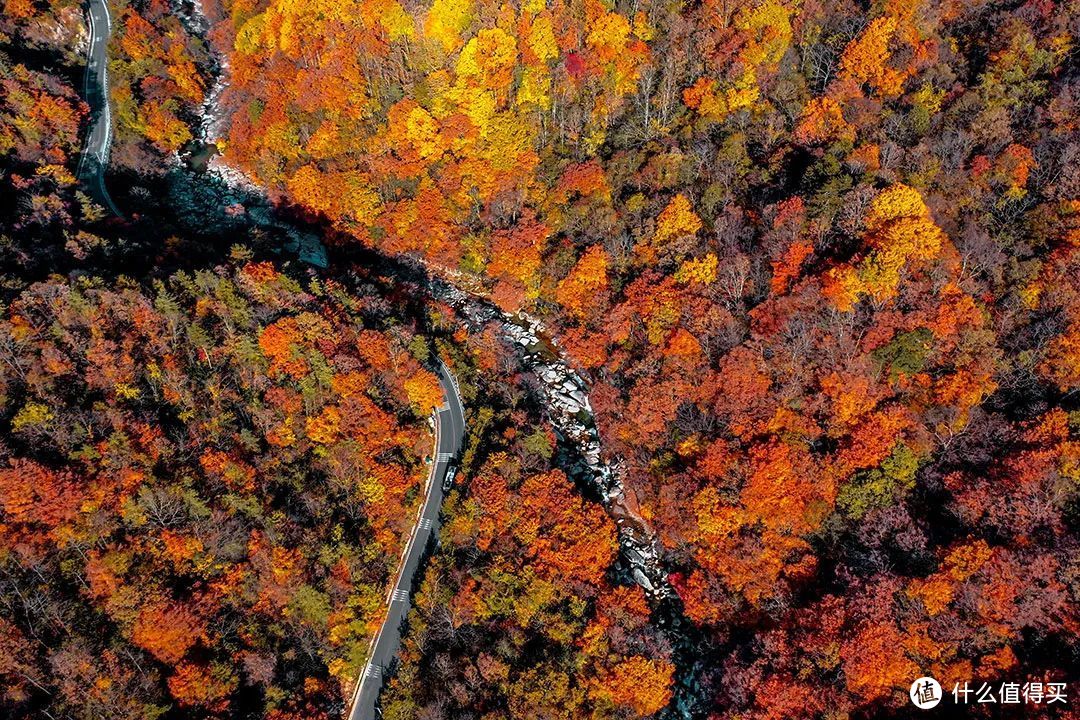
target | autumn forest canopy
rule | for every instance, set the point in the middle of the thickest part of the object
(817, 262)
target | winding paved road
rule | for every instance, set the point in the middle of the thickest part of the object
(449, 418)
(449, 435)
(95, 154)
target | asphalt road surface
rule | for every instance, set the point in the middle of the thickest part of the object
(95, 154)
(449, 418)
(449, 435)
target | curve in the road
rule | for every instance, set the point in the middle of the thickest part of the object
(95, 153)
(449, 418)
(449, 436)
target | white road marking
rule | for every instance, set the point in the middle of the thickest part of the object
(100, 129)
(399, 594)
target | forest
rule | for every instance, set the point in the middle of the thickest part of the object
(817, 260)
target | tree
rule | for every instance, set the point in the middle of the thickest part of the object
(167, 631)
(866, 58)
(677, 219)
(583, 290)
(640, 684)
(899, 231)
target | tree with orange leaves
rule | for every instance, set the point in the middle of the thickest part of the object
(1062, 362)
(875, 664)
(866, 58)
(167, 630)
(584, 289)
(823, 121)
(637, 683)
(138, 515)
(203, 686)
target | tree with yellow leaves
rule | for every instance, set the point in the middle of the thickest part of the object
(899, 232)
(701, 271)
(424, 392)
(766, 32)
(489, 59)
(677, 220)
(446, 20)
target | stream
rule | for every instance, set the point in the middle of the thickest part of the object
(565, 396)
(212, 198)
(564, 392)
(212, 189)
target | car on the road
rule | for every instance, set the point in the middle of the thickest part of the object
(448, 481)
